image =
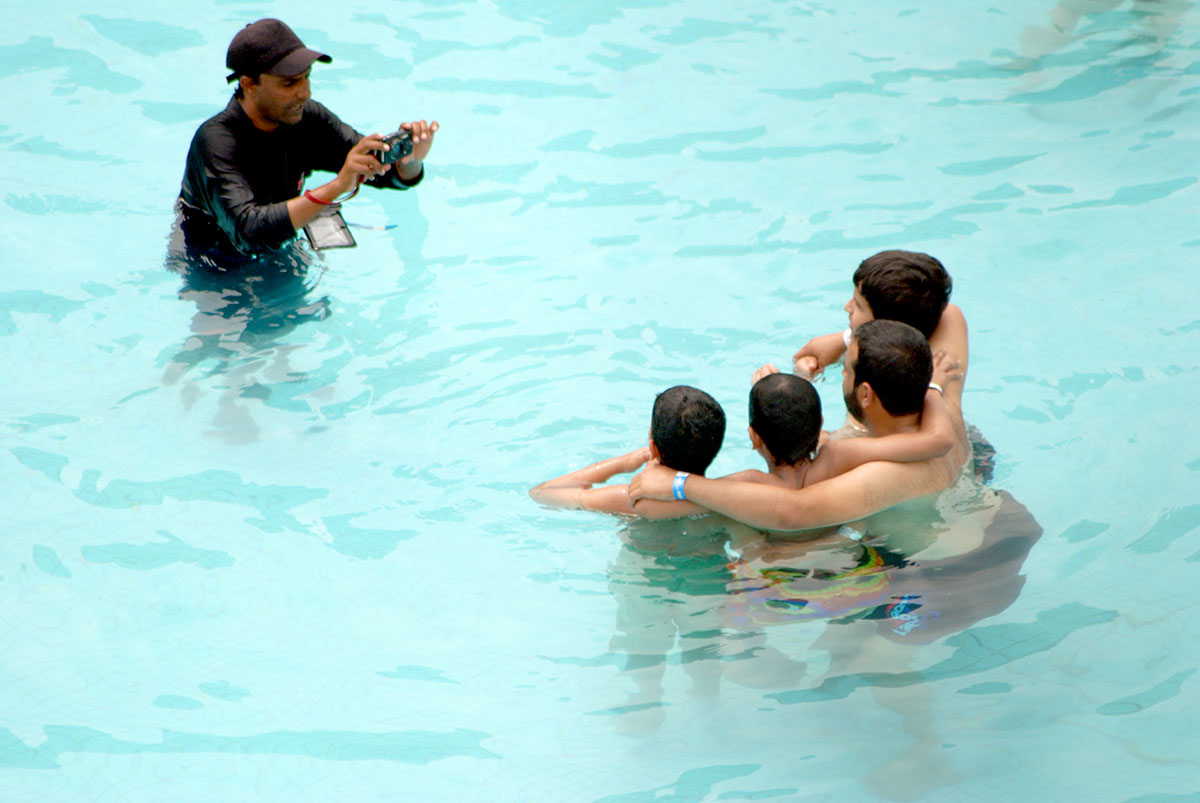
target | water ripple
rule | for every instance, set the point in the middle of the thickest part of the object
(515, 88)
(83, 69)
(408, 747)
(156, 554)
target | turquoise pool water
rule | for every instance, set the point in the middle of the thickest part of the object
(272, 541)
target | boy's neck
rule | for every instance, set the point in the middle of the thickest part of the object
(793, 475)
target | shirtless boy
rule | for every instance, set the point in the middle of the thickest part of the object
(687, 427)
(785, 426)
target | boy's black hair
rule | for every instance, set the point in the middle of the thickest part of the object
(894, 358)
(688, 427)
(785, 411)
(905, 286)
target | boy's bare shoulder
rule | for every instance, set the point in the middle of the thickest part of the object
(753, 475)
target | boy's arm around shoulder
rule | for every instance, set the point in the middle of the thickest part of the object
(570, 490)
(935, 438)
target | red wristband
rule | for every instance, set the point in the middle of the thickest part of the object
(308, 194)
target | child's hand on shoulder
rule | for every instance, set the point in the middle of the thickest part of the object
(765, 370)
(635, 459)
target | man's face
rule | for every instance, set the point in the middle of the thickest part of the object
(852, 405)
(280, 100)
(858, 309)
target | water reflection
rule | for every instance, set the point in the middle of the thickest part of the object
(244, 306)
(1152, 23)
(814, 620)
(671, 582)
(904, 588)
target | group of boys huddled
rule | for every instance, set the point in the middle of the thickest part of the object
(904, 360)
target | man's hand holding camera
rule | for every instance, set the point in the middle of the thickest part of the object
(421, 134)
(361, 164)
(372, 156)
(375, 154)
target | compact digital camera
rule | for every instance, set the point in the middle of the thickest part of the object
(398, 145)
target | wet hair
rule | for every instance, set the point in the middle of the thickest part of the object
(785, 411)
(905, 286)
(688, 427)
(895, 360)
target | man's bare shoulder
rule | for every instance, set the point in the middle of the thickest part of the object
(883, 484)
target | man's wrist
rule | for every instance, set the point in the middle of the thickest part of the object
(405, 174)
(312, 196)
(678, 489)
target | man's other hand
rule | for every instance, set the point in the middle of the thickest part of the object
(422, 139)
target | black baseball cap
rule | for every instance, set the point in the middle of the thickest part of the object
(269, 46)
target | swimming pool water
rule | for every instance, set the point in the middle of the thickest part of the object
(271, 541)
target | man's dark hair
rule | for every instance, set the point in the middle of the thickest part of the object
(688, 427)
(905, 286)
(785, 411)
(894, 358)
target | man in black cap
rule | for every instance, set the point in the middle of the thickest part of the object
(243, 188)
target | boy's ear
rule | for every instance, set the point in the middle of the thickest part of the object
(653, 450)
(759, 446)
(755, 441)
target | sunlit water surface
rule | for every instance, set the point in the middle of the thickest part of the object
(269, 538)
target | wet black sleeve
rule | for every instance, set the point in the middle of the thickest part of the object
(230, 197)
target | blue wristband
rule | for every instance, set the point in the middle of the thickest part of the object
(677, 487)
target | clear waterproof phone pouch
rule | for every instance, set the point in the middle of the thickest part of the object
(329, 230)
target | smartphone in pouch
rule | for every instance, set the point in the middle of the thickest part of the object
(329, 230)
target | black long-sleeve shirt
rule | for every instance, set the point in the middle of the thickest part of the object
(239, 178)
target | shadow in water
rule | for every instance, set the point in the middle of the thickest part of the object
(244, 307)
